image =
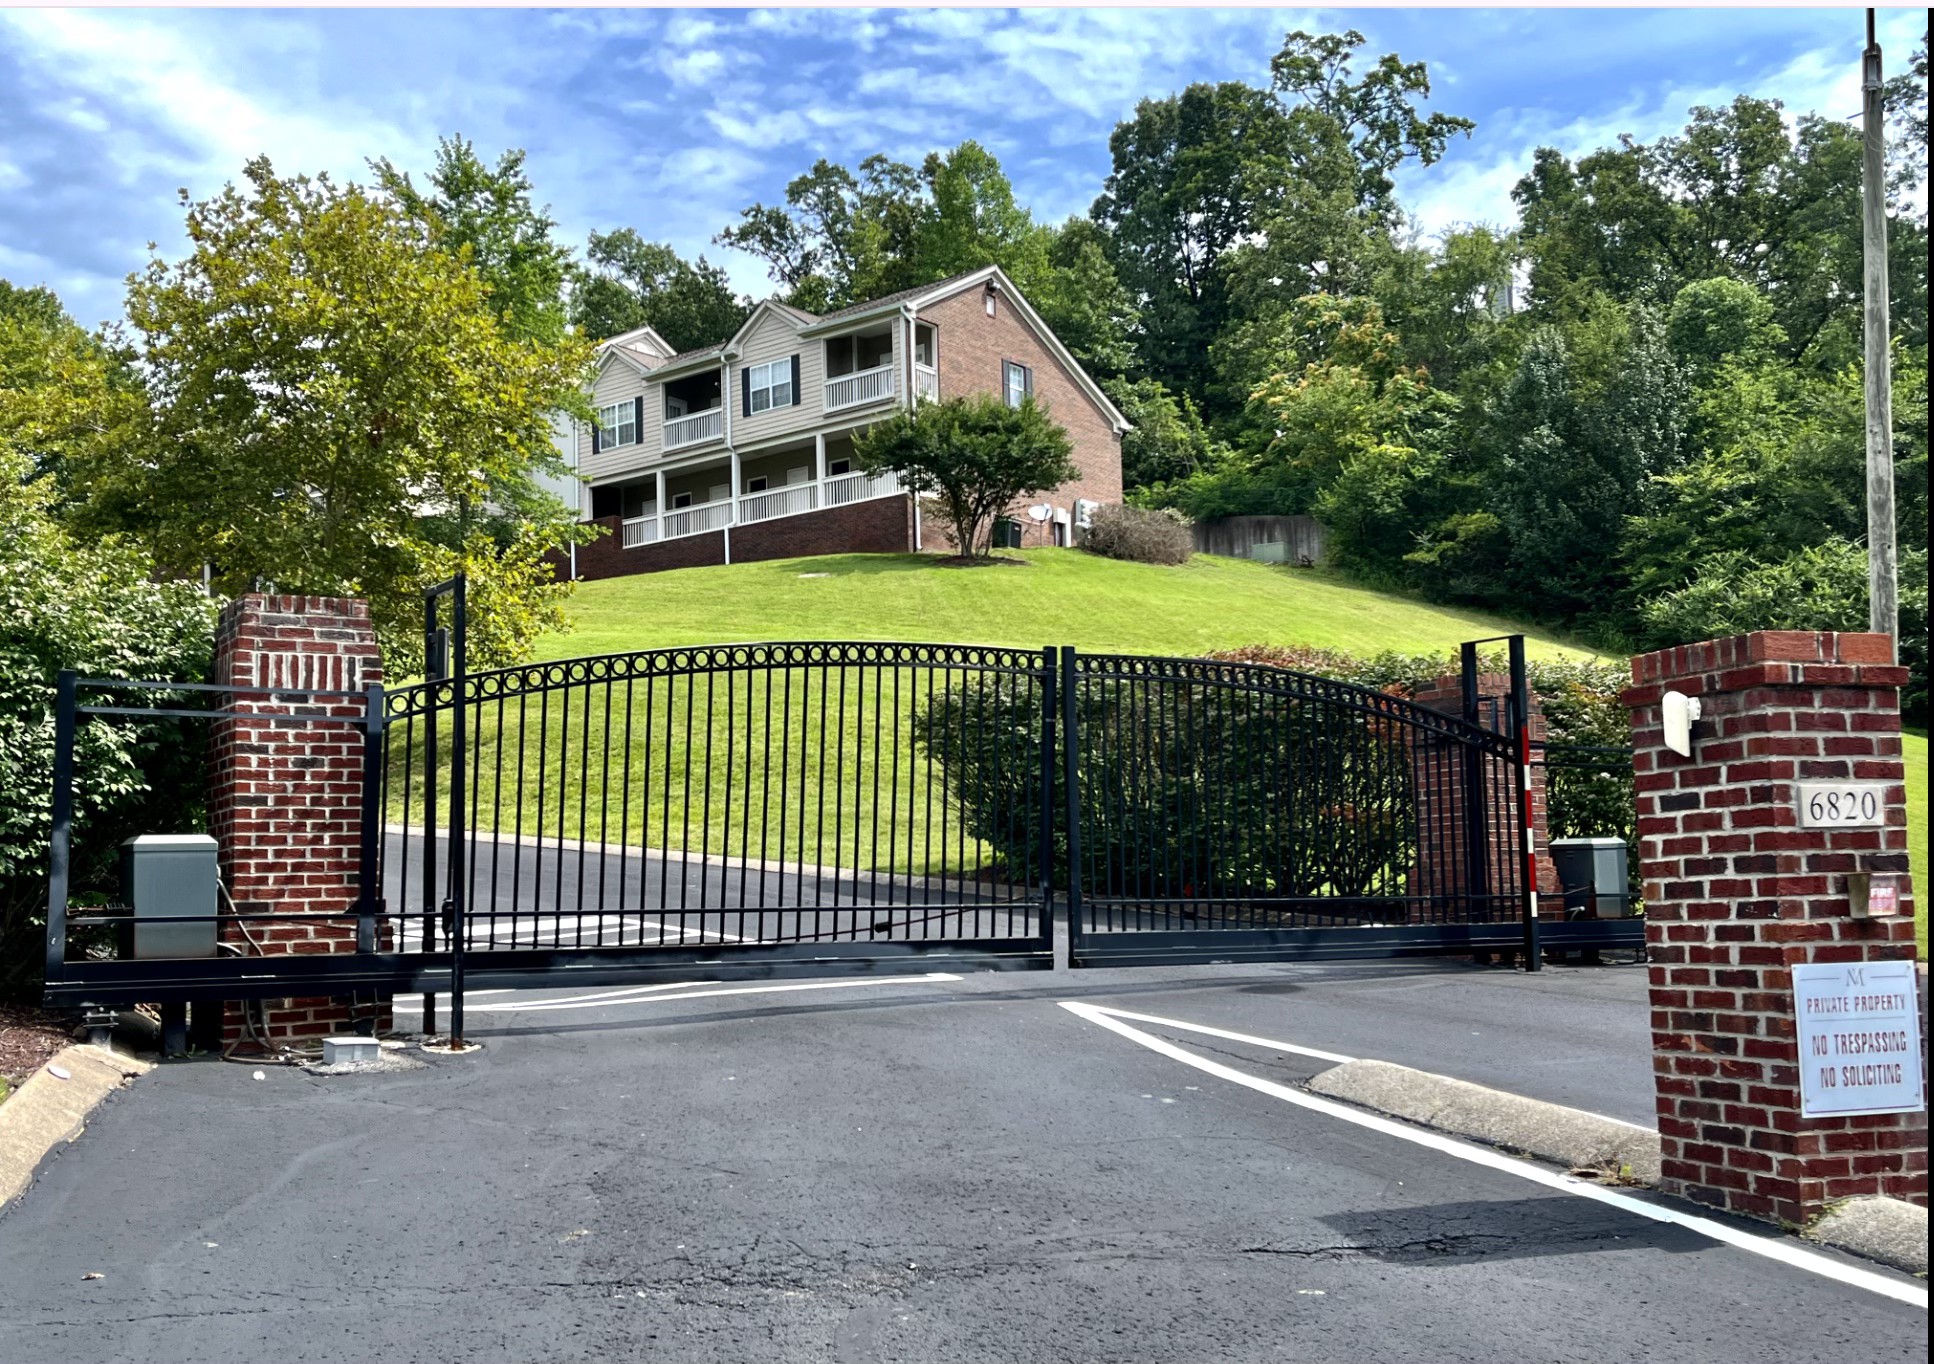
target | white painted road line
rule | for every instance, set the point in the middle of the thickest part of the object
(638, 996)
(1915, 1295)
(629, 992)
(1289, 1047)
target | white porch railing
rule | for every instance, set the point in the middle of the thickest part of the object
(926, 383)
(847, 488)
(640, 530)
(699, 426)
(862, 386)
(789, 501)
(697, 520)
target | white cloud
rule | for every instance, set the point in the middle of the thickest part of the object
(181, 85)
(698, 68)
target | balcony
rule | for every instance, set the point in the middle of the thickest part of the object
(849, 488)
(695, 429)
(800, 497)
(697, 520)
(640, 530)
(860, 387)
(926, 383)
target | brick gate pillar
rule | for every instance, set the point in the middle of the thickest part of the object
(1447, 871)
(1737, 894)
(285, 801)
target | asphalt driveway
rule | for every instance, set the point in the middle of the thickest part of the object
(919, 1169)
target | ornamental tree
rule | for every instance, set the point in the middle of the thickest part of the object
(974, 457)
(337, 409)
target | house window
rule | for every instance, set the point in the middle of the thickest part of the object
(835, 467)
(1017, 381)
(771, 385)
(756, 485)
(618, 424)
(923, 346)
(681, 499)
(990, 300)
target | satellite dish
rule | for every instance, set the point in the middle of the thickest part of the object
(1040, 511)
(1679, 711)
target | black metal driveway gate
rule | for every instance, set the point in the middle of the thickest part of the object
(810, 809)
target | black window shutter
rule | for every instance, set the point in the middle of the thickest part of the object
(795, 381)
(638, 417)
(1027, 380)
(597, 437)
(745, 391)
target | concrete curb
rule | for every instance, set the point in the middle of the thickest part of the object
(47, 1110)
(1889, 1230)
(1568, 1136)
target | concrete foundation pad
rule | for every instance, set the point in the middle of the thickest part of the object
(49, 1110)
(1884, 1229)
(1551, 1131)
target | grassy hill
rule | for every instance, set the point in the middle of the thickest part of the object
(1056, 596)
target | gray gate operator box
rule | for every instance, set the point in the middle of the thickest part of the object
(1593, 872)
(169, 874)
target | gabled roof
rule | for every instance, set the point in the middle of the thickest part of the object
(940, 288)
(811, 325)
(642, 348)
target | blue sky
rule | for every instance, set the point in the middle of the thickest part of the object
(670, 121)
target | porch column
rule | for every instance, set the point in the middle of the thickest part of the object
(732, 504)
(658, 503)
(819, 464)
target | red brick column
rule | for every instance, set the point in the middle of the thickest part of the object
(1440, 791)
(285, 801)
(1737, 894)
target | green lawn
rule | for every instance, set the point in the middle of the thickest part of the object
(1059, 596)
(1056, 597)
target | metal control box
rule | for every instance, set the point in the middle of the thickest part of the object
(1595, 876)
(169, 875)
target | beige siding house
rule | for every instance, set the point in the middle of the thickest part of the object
(743, 450)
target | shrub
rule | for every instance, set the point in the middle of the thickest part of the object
(90, 606)
(1586, 794)
(1295, 798)
(1823, 587)
(1141, 536)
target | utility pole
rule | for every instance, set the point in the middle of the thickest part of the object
(1882, 575)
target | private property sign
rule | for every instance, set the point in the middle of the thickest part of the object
(1860, 1039)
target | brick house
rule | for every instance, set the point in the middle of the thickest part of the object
(744, 450)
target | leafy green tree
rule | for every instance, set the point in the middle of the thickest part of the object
(1192, 175)
(485, 215)
(93, 604)
(1377, 111)
(975, 457)
(1169, 441)
(1581, 427)
(630, 283)
(842, 237)
(326, 383)
(65, 393)
(1084, 301)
